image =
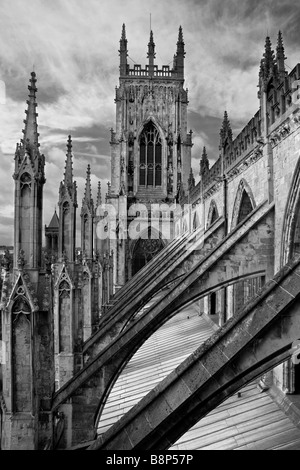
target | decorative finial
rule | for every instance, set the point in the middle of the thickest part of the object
(88, 190)
(99, 196)
(225, 132)
(68, 176)
(280, 56)
(204, 162)
(69, 144)
(191, 180)
(180, 35)
(123, 36)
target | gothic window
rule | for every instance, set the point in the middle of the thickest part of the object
(296, 239)
(145, 250)
(213, 214)
(245, 207)
(196, 222)
(213, 303)
(21, 354)
(66, 226)
(64, 317)
(150, 157)
(85, 232)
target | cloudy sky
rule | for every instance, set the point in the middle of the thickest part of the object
(73, 47)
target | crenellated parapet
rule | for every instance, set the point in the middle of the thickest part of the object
(152, 70)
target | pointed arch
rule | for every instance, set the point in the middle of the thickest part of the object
(21, 353)
(213, 213)
(196, 221)
(290, 249)
(150, 156)
(290, 239)
(244, 203)
(65, 313)
(184, 226)
(148, 245)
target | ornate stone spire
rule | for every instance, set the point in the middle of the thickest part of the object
(67, 209)
(29, 144)
(268, 64)
(123, 36)
(180, 37)
(123, 52)
(151, 53)
(280, 56)
(269, 58)
(225, 132)
(68, 175)
(88, 199)
(31, 128)
(88, 190)
(99, 195)
(191, 180)
(204, 163)
(180, 54)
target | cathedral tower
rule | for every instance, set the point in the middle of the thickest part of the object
(150, 148)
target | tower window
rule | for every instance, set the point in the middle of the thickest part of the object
(150, 157)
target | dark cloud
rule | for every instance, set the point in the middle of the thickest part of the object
(73, 47)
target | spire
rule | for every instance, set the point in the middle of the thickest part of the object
(31, 128)
(267, 65)
(68, 175)
(225, 132)
(180, 54)
(88, 191)
(54, 223)
(123, 52)
(151, 53)
(191, 180)
(204, 163)
(180, 38)
(269, 59)
(280, 57)
(99, 196)
(123, 36)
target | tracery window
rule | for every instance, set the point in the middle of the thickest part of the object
(150, 157)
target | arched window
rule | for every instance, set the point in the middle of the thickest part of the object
(64, 317)
(213, 214)
(245, 207)
(150, 157)
(213, 303)
(21, 353)
(145, 249)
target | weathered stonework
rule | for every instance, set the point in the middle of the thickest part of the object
(69, 327)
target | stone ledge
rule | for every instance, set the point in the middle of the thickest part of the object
(289, 404)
